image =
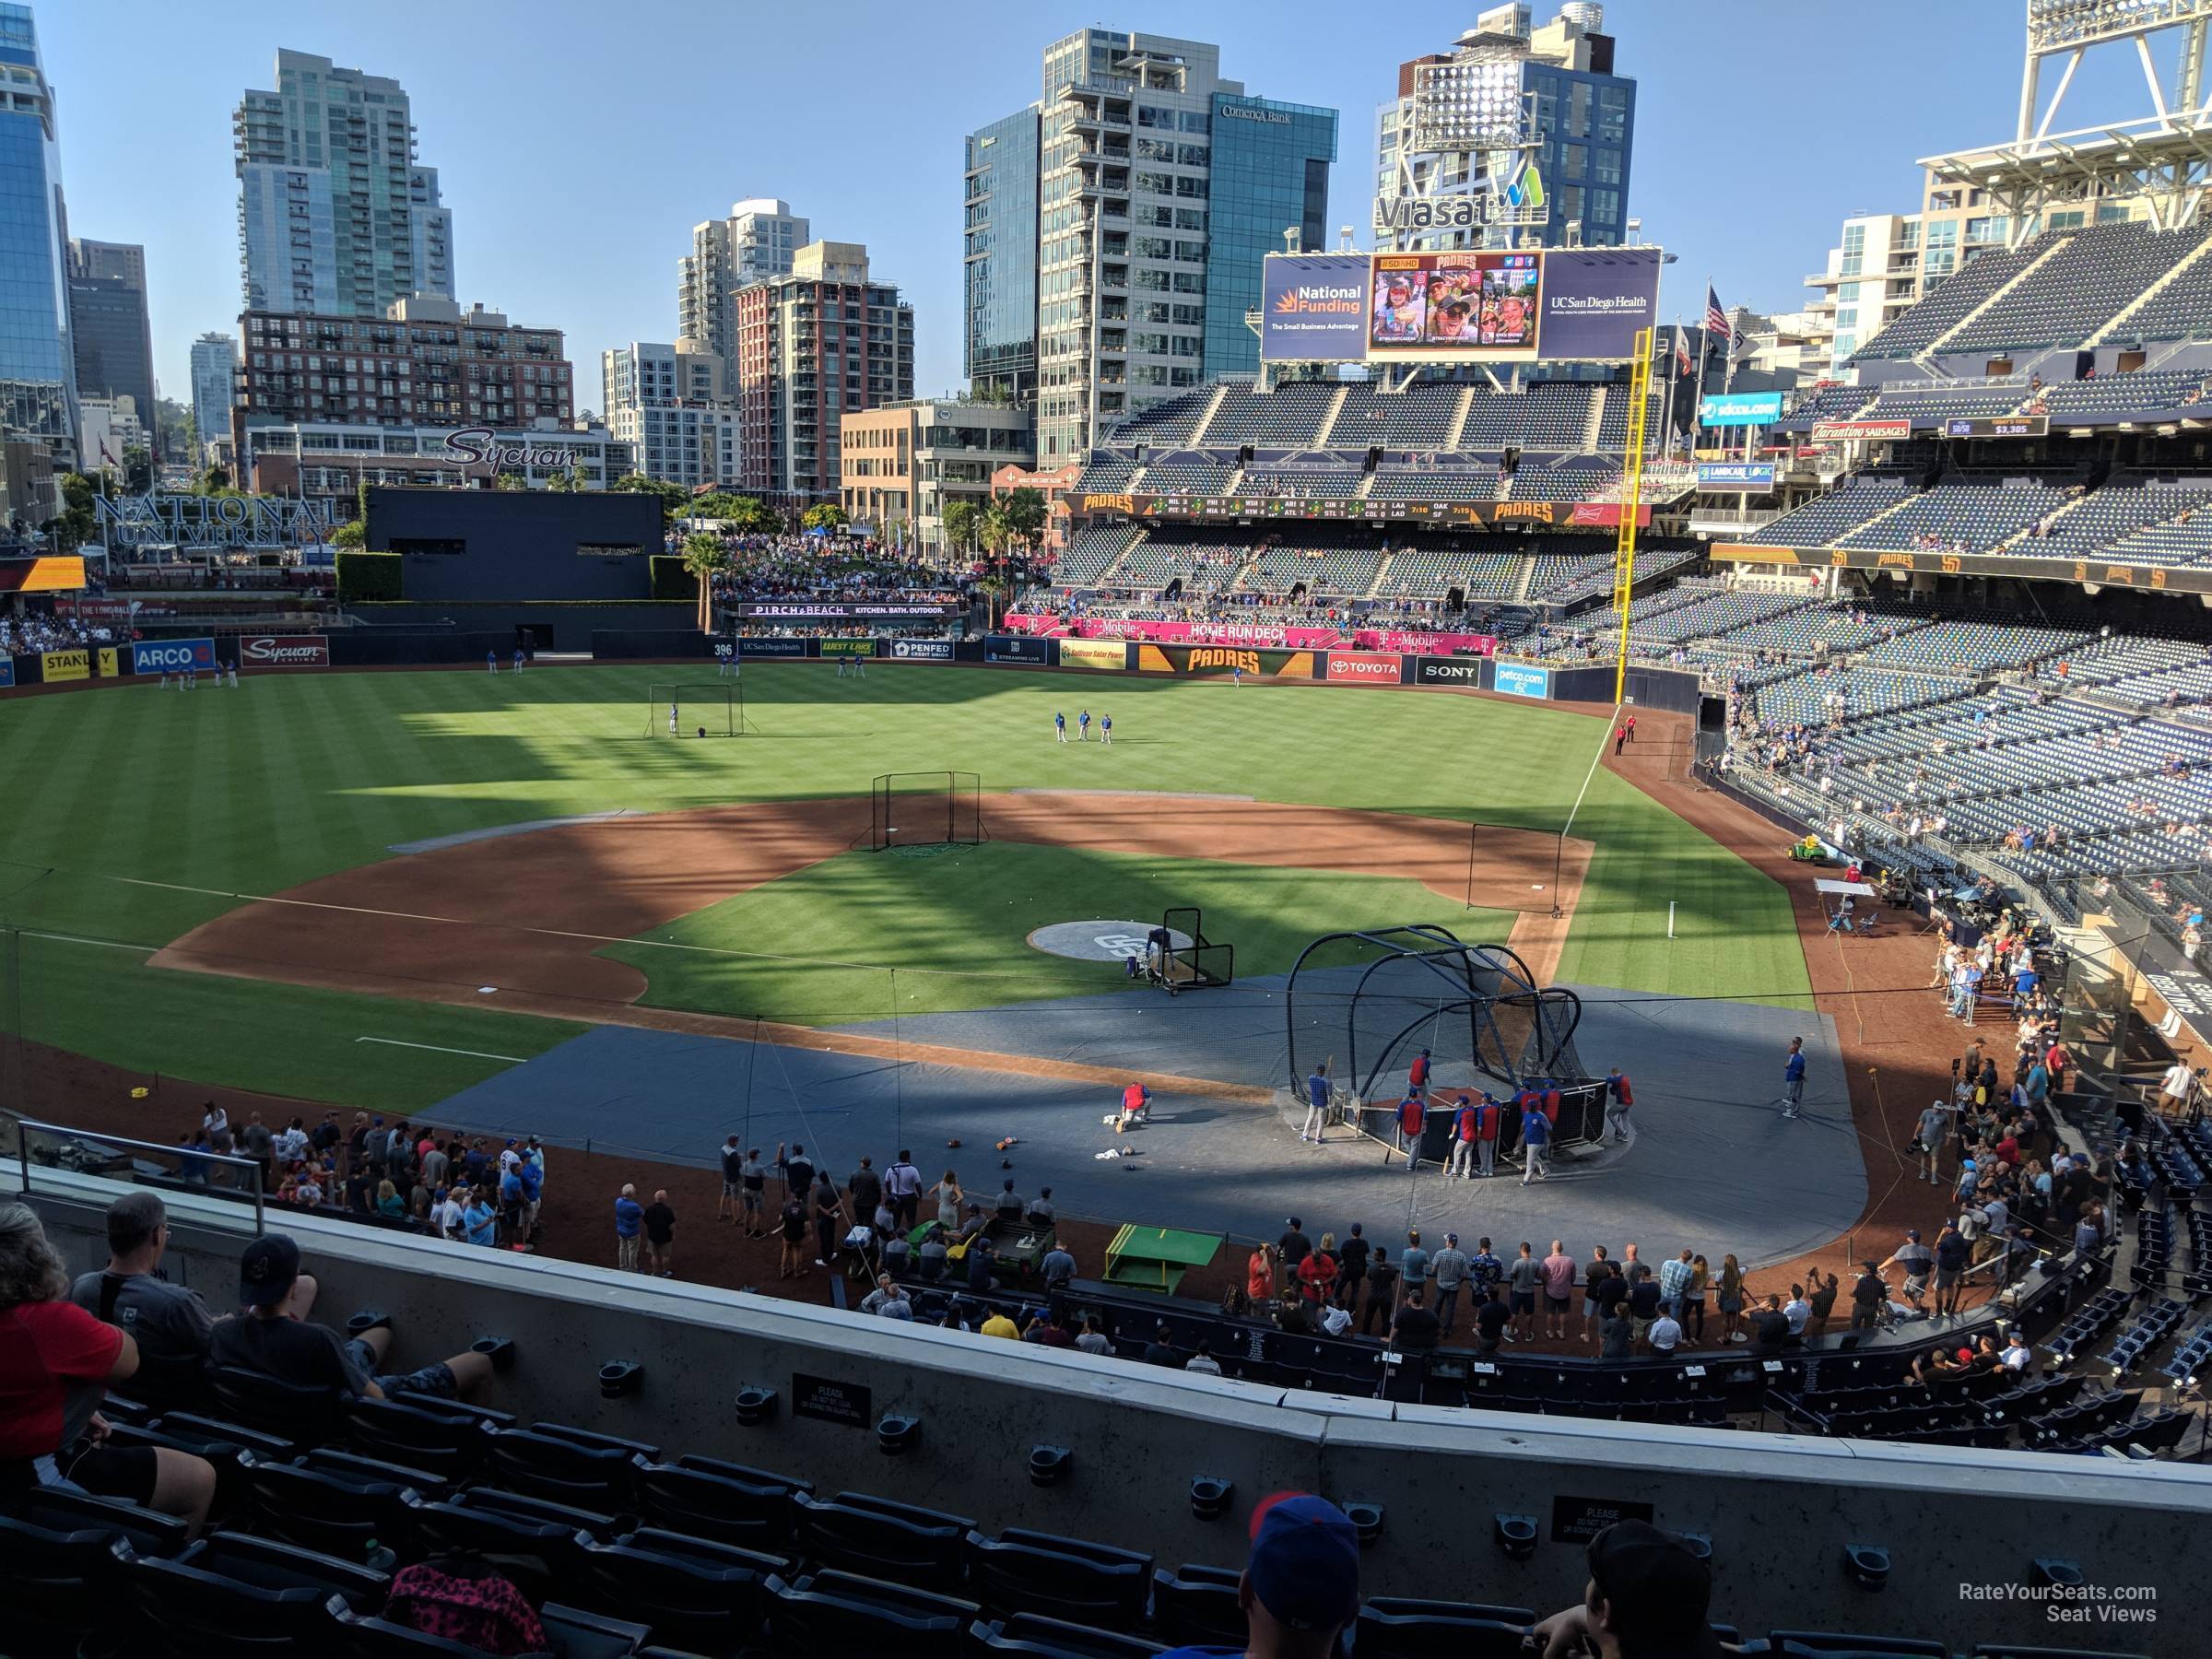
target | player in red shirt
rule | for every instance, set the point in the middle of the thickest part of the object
(1413, 1120)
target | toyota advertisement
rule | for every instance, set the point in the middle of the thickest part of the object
(284, 651)
(1365, 667)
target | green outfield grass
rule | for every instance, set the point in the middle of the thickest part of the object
(955, 923)
(198, 797)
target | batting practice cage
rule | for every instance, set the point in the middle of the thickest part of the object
(925, 809)
(1181, 958)
(1365, 1003)
(695, 708)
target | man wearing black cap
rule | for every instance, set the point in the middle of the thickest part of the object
(1647, 1598)
(266, 1339)
(1300, 1585)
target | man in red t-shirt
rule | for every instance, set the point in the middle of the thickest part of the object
(1487, 1118)
(1416, 1075)
(1136, 1100)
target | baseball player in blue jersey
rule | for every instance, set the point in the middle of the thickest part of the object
(1083, 726)
(1060, 726)
(1106, 730)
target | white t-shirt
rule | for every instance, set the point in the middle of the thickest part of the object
(449, 1219)
(2015, 1357)
(1664, 1333)
(1797, 1313)
(2176, 1086)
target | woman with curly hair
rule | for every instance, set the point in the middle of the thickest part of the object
(56, 1361)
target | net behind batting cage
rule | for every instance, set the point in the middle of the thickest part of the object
(1367, 1003)
(702, 708)
(925, 809)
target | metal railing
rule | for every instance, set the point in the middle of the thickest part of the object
(36, 1145)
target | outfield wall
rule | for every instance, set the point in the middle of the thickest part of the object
(1779, 1510)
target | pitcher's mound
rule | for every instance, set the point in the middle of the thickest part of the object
(1101, 941)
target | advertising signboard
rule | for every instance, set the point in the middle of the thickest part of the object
(1749, 478)
(1447, 671)
(1518, 681)
(1448, 305)
(1597, 514)
(1314, 307)
(768, 645)
(1594, 300)
(45, 575)
(7, 672)
(171, 656)
(1226, 660)
(1998, 426)
(1365, 667)
(109, 664)
(840, 610)
(57, 666)
(2094, 572)
(922, 650)
(1739, 409)
(284, 651)
(1841, 431)
(1093, 653)
(848, 648)
(1011, 648)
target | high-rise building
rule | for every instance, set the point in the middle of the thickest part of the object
(823, 342)
(1505, 98)
(1159, 187)
(425, 362)
(38, 369)
(111, 336)
(671, 405)
(905, 463)
(214, 360)
(998, 346)
(337, 217)
(757, 241)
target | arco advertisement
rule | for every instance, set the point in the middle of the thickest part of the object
(1365, 667)
(171, 656)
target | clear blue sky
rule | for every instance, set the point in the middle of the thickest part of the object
(578, 142)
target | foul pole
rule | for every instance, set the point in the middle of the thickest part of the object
(1631, 497)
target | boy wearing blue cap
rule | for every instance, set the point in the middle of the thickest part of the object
(1300, 1585)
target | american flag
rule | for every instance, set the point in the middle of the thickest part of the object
(1716, 320)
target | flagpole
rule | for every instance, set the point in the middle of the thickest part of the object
(1704, 341)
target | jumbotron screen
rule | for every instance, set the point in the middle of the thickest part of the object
(1450, 302)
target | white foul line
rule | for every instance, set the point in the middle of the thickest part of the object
(435, 1049)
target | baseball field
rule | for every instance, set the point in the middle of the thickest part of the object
(217, 885)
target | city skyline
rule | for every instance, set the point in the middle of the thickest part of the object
(578, 224)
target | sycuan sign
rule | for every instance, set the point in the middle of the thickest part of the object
(480, 446)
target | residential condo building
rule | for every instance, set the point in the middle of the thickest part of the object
(336, 217)
(903, 464)
(1159, 188)
(824, 342)
(671, 405)
(758, 240)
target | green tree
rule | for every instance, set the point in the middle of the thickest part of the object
(78, 521)
(360, 501)
(216, 480)
(675, 499)
(1025, 513)
(350, 535)
(962, 518)
(828, 515)
(511, 480)
(703, 555)
(993, 531)
(565, 480)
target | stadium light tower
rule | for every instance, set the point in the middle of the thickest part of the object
(2162, 159)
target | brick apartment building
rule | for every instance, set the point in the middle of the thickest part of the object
(812, 346)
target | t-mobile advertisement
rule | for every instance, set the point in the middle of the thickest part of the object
(1595, 299)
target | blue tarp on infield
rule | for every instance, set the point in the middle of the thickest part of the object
(1713, 1166)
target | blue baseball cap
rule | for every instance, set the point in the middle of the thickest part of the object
(1304, 1566)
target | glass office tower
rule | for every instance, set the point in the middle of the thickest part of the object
(38, 375)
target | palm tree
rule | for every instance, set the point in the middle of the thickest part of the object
(704, 555)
